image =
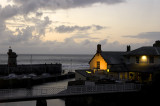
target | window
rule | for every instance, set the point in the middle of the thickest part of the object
(128, 59)
(137, 59)
(151, 59)
(98, 64)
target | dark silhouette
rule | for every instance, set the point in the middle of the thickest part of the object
(12, 58)
(128, 48)
(99, 48)
(156, 44)
(41, 102)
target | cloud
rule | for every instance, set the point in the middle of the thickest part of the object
(98, 27)
(8, 12)
(42, 25)
(28, 26)
(146, 35)
(39, 14)
(24, 7)
(23, 35)
(28, 34)
(32, 5)
(68, 29)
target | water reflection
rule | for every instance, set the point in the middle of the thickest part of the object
(52, 102)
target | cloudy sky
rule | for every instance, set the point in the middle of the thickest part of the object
(77, 26)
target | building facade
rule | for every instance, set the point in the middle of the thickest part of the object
(132, 65)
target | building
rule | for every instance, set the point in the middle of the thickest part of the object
(13, 67)
(12, 58)
(138, 65)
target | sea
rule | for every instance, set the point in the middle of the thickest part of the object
(70, 62)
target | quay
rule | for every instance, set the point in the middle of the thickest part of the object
(32, 81)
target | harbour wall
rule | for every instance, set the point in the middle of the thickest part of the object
(30, 82)
(33, 68)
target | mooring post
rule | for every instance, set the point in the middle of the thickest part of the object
(41, 102)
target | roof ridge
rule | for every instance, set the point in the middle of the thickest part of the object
(113, 51)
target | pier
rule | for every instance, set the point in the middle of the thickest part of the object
(11, 95)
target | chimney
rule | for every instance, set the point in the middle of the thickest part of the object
(157, 43)
(99, 48)
(128, 48)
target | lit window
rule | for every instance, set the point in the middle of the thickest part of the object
(88, 72)
(108, 70)
(144, 57)
(98, 64)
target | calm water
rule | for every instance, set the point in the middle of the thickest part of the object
(69, 63)
(51, 102)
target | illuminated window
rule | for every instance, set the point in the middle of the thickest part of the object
(144, 58)
(108, 70)
(88, 72)
(151, 59)
(98, 64)
(137, 59)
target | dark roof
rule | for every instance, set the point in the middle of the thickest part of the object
(145, 51)
(112, 57)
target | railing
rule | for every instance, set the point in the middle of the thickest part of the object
(106, 88)
(67, 91)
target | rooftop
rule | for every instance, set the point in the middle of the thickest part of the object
(146, 50)
(112, 57)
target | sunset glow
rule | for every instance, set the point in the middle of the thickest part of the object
(55, 28)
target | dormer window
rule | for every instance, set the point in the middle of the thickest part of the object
(151, 59)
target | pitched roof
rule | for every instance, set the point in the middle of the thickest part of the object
(112, 57)
(146, 50)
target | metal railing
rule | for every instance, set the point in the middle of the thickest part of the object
(67, 91)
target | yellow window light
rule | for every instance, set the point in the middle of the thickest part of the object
(88, 72)
(144, 57)
(108, 70)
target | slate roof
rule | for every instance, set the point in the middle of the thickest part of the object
(113, 57)
(148, 50)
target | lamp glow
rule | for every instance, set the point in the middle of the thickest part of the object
(88, 72)
(144, 57)
(108, 70)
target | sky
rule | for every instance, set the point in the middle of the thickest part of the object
(77, 26)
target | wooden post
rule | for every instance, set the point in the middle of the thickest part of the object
(41, 102)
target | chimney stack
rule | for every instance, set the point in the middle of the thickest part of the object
(99, 48)
(128, 48)
(157, 43)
